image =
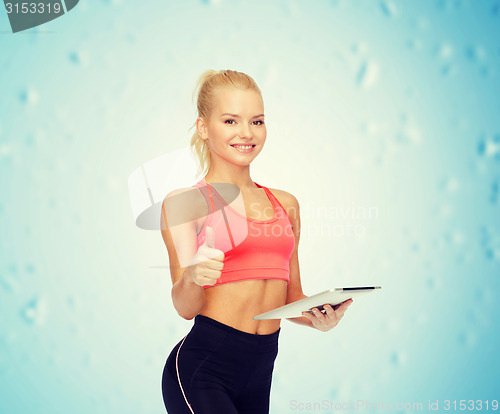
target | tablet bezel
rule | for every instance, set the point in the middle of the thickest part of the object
(332, 296)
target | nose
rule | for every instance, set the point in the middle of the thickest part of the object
(245, 131)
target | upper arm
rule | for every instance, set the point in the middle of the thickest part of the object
(178, 229)
(291, 206)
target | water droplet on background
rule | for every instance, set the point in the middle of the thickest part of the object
(495, 191)
(34, 312)
(368, 75)
(398, 358)
(388, 8)
(29, 96)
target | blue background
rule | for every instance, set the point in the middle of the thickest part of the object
(388, 105)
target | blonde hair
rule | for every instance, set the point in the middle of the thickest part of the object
(205, 88)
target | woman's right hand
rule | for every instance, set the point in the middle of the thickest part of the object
(207, 263)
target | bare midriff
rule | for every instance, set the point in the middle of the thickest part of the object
(236, 303)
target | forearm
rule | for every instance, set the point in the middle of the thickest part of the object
(300, 320)
(188, 297)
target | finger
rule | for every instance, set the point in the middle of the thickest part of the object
(214, 254)
(211, 276)
(308, 315)
(330, 312)
(208, 281)
(215, 264)
(311, 316)
(210, 252)
(210, 237)
(321, 317)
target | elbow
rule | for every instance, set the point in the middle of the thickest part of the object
(187, 303)
(185, 312)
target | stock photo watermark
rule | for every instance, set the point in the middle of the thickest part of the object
(406, 406)
(24, 15)
(338, 220)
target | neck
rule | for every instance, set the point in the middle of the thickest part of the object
(237, 176)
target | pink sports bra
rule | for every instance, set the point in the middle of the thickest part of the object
(252, 249)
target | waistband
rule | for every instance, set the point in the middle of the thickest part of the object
(236, 333)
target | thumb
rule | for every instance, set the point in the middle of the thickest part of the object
(210, 237)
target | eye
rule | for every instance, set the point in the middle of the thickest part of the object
(229, 120)
(261, 122)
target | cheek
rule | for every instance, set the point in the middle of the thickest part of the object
(222, 133)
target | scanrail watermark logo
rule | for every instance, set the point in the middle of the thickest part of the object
(27, 14)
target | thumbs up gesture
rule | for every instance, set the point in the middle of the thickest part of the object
(207, 263)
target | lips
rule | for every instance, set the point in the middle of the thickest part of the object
(239, 147)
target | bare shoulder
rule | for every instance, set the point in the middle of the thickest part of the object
(287, 200)
(184, 204)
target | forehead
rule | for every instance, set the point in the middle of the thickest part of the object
(235, 100)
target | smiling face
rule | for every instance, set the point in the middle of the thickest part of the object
(235, 122)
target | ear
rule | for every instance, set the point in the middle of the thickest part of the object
(202, 128)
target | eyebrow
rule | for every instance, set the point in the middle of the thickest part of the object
(237, 116)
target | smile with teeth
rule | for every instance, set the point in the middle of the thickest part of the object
(243, 148)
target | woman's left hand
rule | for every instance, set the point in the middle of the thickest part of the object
(328, 320)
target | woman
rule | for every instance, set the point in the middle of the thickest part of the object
(231, 258)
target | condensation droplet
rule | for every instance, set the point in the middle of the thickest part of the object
(455, 237)
(409, 135)
(449, 5)
(29, 96)
(450, 185)
(448, 69)
(88, 359)
(492, 253)
(70, 301)
(113, 2)
(78, 57)
(495, 9)
(490, 242)
(475, 53)
(30, 268)
(8, 283)
(333, 393)
(422, 23)
(34, 311)
(6, 150)
(398, 358)
(431, 282)
(211, 2)
(495, 191)
(359, 47)
(485, 71)
(368, 75)
(415, 44)
(445, 51)
(467, 339)
(388, 8)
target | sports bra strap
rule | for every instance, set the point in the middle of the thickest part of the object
(219, 203)
(208, 198)
(270, 195)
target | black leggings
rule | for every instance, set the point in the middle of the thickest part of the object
(218, 369)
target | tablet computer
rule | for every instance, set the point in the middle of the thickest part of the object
(332, 296)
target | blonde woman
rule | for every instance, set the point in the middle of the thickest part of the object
(233, 255)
